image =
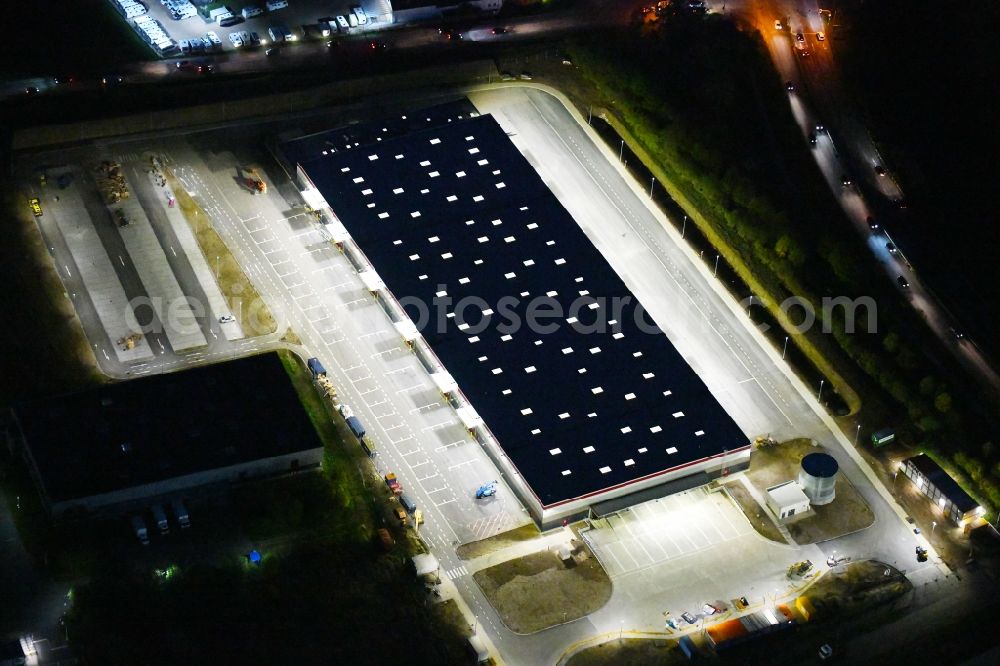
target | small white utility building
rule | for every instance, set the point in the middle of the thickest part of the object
(787, 500)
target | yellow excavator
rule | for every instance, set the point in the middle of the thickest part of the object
(254, 181)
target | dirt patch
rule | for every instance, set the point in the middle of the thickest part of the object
(847, 513)
(859, 586)
(244, 302)
(754, 512)
(291, 337)
(635, 651)
(539, 591)
(474, 549)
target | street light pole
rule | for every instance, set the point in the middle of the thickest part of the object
(750, 305)
(857, 434)
(819, 396)
(651, 181)
(684, 226)
(715, 273)
(933, 526)
(621, 151)
(784, 349)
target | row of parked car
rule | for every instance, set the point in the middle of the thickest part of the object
(210, 42)
(160, 520)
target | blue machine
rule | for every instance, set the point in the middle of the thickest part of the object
(487, 490)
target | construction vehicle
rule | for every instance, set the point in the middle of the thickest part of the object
(111, 182)
(129, 341)
(253, 181)
(799, 569)
(487, 490)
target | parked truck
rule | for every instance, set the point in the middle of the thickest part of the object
(315, 367)
(355, 425)
(139, 527)
(160, 518)
(181, 513)
(393, 483)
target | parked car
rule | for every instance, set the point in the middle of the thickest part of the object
(227, 319)
(690, 619)
(789, 86)
(709, 609)
(872, 223)
(526, 76)
(821, 36)
(879, 170)
(236, 39)
(891, 248)
(903, 282)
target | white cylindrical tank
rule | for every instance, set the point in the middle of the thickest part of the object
(818, 478)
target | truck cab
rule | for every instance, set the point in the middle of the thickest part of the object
(139, 528)
(160, 518)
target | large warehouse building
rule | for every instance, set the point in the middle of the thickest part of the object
(127, 443)
(585, 407)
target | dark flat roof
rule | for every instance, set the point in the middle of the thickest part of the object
(164, 426)
(458, 209)
(820, 465)
(943, 482)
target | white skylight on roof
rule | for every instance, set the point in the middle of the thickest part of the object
(477, 262)
(643, 450)
(564, 415)
(510, 276)
(463, 280)
(529, 262)
(469, 223)
(384, 215)
(591, 415)
(497, 371)
(507, 338)
(372, 158)
(425, 163)
(560, 262)
(473, 151)
(469, 138)
(551, 242)
(506, 391)
(399, 157)
(629, 462)
(501, 185)
(483, 239)
(571, 320)
(397, 242)
(525, 294)
(648, 375)
(509, 239)
(487, 312)
(594, 350)
(533, 225)
(345, 169)
(526, 411)
(424, 191)
(414, 257)
(677, 415)
(699, 433)
(567, 350)
(441, 294)
(584, 292)
(672, 450)
(451, 197)
(637, 354)
(434, 174)
(483, 162)
(668, 393)
(433, 239)
(474, 338)
(555, 452)
(460, 174)
(477, 198)
(371, 205)
(367, 191)
(536, 431)
(579, 279)
(605, 470)
(434, 142)
(422, 277)
(415, 213)
(593, 306)
(630, 396)
(566, 472)
(482, 358)
(582, 371)
(447, 255)
(588, 449)
(538, 343)
(596, 390)
(655, 429)
(397, 190)
(359, 179)
(529, 369)
(496, 172)
(618, 336)
(626, 430)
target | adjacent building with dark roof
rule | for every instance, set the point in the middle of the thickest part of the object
(590, 403)
(934, 482)
(157, 436)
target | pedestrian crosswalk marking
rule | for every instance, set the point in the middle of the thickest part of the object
(457, 572)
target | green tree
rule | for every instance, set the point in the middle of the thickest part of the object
(942, 403)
